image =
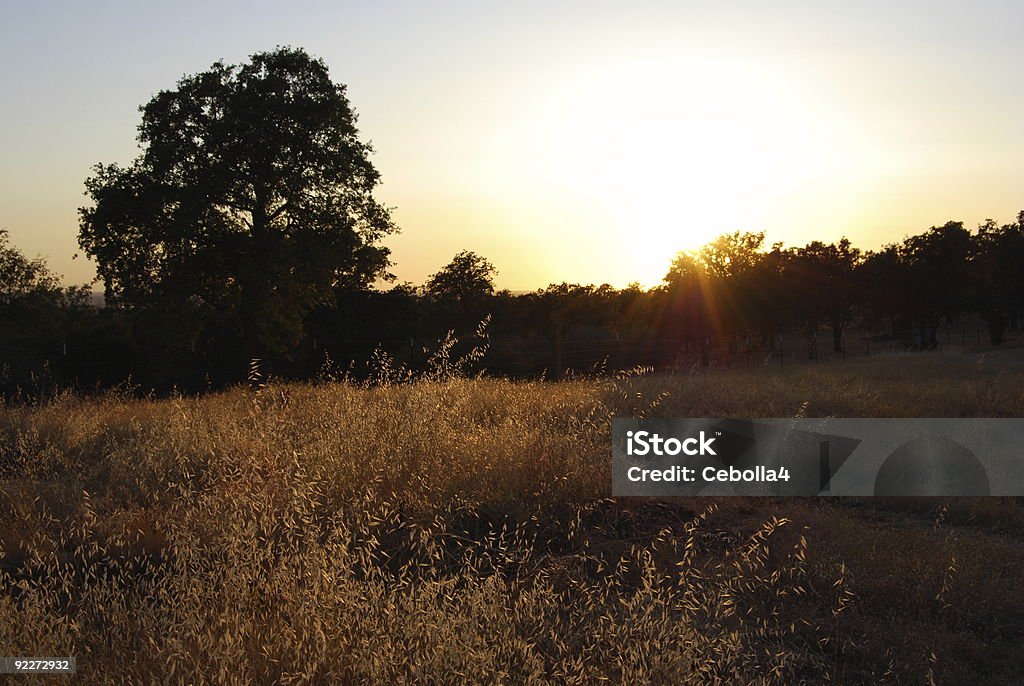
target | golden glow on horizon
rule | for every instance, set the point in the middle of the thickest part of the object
(576, 142)
(667, 154)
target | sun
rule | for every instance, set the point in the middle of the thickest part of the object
(667, 152)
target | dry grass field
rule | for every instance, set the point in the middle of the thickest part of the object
(454, 530)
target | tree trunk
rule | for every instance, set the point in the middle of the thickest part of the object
(253, 284)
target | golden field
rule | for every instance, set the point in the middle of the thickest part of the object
(460, 530)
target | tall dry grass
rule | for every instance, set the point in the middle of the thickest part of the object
(453, 530)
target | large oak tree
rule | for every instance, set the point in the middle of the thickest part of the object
(251, 202)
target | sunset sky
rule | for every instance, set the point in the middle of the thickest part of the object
(565, 141)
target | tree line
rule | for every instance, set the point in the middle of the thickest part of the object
(733, 288)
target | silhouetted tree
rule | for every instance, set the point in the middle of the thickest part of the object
(937, 264)
(23, 278)
(824, 276)
(884, 282)
(683, 312)
(771, 303)
(731, 254)
(468, 277)
(37, 314)
(711, 290)
(250, 203)
(459, 294)
(998, 275)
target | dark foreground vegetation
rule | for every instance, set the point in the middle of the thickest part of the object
(453, 530)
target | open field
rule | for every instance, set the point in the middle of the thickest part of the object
(460, 530)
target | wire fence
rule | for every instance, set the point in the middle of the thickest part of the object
(538, 356)
(788, 349)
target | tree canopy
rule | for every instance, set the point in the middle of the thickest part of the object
(466, 278)
(21, 276)
(250, 204)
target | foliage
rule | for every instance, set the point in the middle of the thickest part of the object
(827, 274)
(467, 277)
(251, 201)
(22, 278)
(998, 274)
(37, 314)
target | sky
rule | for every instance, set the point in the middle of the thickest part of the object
(581, 142)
